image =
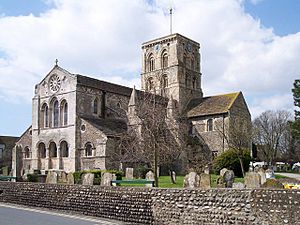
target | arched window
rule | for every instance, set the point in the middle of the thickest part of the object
(192, 64)
(64, 113)
(64, 149)
(88, 149)
(44, 116)
(53, 150)
(209, 125)
(27, 152)
(184, 59)
(164, 61)
(194, 82)
(164, 84)
(151, 62)
(55, 113)
(150, 84)
(42, 150)
(95, 106)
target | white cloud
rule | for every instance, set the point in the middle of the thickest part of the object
(103, 39)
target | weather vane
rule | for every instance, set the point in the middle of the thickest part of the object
(171, 12)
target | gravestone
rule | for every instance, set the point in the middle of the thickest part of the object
(106, 179)
(88, 179)
(173, 174)
(205, 181)
(191, 180)
(62, 177)
(238, 185)
(51, 177)
(206, 170)
(70, 178)
(262, 174)
(223, 171)
(114, 177)
(150, 176)
(270, 174)
(129, 173)
(252, 180)
(228, 178)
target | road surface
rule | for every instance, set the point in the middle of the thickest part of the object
(21, 215)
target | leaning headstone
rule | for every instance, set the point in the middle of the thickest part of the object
(252, 180)
(262, 174)
(238, 185)
(270, 174)
(191, 180)
(88, 179)
(70, 179)
(51, 177)
(150, 176)
(223, 171)
(228, 178)
(205, 181)
(62, 177)
(129, 173)
(106, 179)
(173, 174)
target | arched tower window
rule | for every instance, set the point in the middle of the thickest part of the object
(194, 82)
(164, 84)
(42, 150)
(64, 149)
(192, 63)
(151, 63)
(209, 125)
(64, 113)
(184, 59)
(164, 61)
(88, 149)
(55, 113)
(45, 115)
(95, 106)
(150, 84)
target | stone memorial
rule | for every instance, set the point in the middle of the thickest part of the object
(262, 174)
(252, 180)
(191, 180)
(150, 176)
(238, 185)
(205, 181)
(114, 177)
(270, 174)
(223, 171)
(51, 177)
(106, 179)
(206, 169)
(129, 173)
(173, 175)
(88, 179)
(70, 178)
(228, 178)
(62, 177)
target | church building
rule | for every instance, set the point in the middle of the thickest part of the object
(77, 120)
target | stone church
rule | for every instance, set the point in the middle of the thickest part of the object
(76, 120)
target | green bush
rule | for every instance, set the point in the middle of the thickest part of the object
(229, 160)
(273, 183)
(141, 171)
(32, 177)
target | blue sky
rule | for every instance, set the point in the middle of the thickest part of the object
(270, 35)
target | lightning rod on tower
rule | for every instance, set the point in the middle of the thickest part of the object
(171, 12)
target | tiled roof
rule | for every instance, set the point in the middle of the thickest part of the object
(8, 141)
(109, 126)
(211, 105)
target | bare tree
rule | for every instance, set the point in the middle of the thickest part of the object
(272, 134)
(237, 133)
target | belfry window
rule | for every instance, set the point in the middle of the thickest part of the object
(151, 63)
(88, 149)
(209, 125)
(64, 113)
(45, 115)
(55, 113)
(165, 60)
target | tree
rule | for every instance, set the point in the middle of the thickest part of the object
(237, 133)
(271, 134)
(295, 126)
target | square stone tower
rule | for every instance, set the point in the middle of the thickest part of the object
(171, 67)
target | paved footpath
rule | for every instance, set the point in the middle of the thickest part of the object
(21, 215)
(291, 175)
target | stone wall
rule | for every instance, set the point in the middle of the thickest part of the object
(161, 206)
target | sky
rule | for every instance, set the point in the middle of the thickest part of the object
(251, 46)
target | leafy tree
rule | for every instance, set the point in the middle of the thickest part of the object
(296, 124)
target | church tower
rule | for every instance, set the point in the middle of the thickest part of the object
(171, 67)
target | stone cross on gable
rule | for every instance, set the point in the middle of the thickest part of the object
(56, 62)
